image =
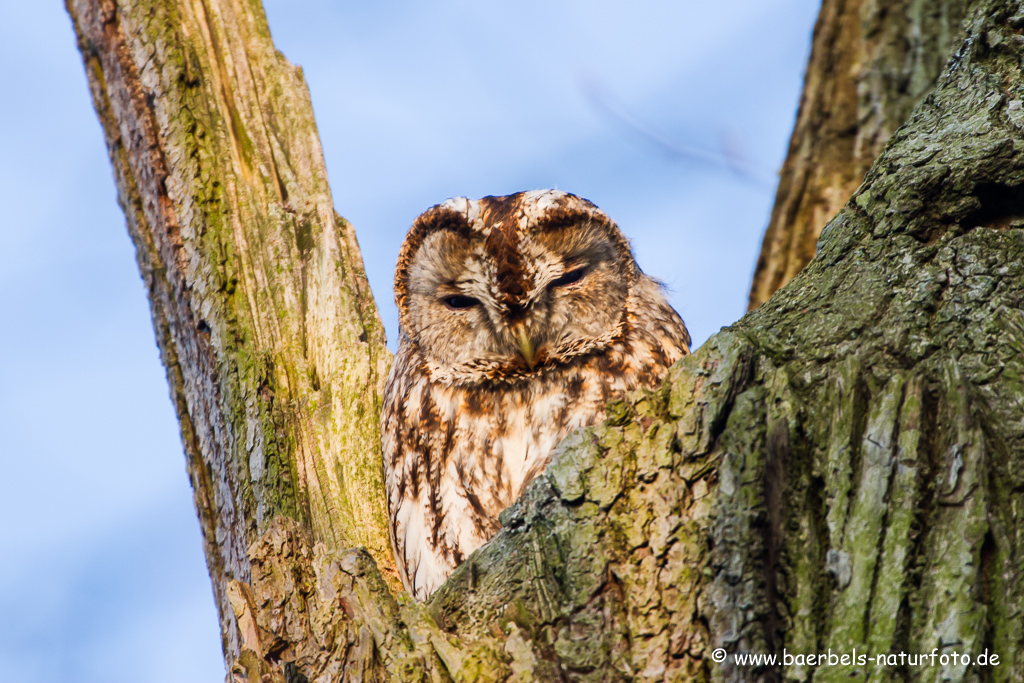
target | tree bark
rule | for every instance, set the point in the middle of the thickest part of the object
(871, 62)
(838, 471)
(273, 347)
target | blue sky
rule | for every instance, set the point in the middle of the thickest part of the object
(415, 103)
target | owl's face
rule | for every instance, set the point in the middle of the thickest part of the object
(511, 284)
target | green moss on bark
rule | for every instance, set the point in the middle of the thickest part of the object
(274, 351)
(836, 471)
(840, 469)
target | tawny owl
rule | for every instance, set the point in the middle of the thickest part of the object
(520, 317)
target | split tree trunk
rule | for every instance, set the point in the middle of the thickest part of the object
(871, 63)
(839, 470)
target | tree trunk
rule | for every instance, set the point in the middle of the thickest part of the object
(273, 347)
(837, 472)
(871, 62)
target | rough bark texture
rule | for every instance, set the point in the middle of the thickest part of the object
(839, 471)
(274, 351)
(871, 62)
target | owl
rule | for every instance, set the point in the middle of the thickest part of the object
(520, 317)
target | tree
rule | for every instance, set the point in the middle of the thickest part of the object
(871, 63)
(838, 470)
(273, 348)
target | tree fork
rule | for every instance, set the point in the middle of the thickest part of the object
(840, 469)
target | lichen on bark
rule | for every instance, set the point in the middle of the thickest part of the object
(871, 63)
(274, 351)
(836, 471)
(840, 469)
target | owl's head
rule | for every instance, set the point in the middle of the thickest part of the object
(502, 287)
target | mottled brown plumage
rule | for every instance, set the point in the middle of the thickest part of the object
(520, 317)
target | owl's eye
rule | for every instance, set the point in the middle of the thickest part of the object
(458, 302)
(570, 278)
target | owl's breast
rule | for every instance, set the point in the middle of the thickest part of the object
(456, 455)
(504, 437)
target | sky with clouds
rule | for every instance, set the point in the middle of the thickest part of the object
(672, 116)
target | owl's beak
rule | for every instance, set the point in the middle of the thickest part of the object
(525, 345)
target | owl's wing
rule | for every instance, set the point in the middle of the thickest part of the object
(412, 455)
